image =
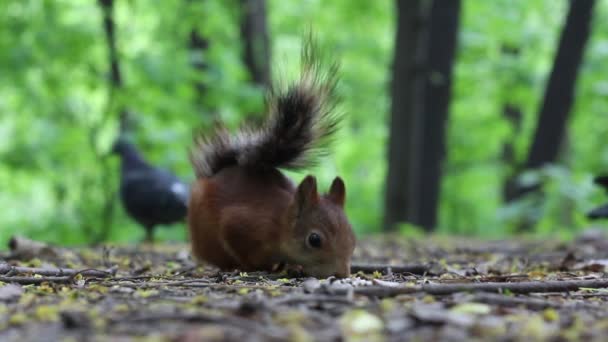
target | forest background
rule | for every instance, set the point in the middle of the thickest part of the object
(76, 73)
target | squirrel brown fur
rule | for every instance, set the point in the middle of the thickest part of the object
(244, 213)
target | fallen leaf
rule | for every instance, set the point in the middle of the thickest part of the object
(550, 315)
(361, 322)
(472, 308)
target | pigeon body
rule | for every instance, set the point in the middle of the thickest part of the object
(601, 211)
(150, 195)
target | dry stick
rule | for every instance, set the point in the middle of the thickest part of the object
(446, 289)
(6, 268)
(243, 324)
(297, 299)
(530, 303)
(369, 268)
(24, 248)
(185, 282)
(588, 295)
(145, 284)
(510, 301)
(188, 283)
(36, 280)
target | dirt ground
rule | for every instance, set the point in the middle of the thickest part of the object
(436, 289)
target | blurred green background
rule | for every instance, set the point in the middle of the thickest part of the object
(58, 118)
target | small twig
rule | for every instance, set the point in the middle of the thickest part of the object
(529, 302)
(290, 300)
(510, 301)
(189, 283)
(186, 270)
(369, 268)
(6, 268)
(243, 324)
(141, 277)
(36, 280)
(24, 248)
(505, 277)
(92, 272)
(589, 295)
(154, 284)
(446, 289)
(256, 276)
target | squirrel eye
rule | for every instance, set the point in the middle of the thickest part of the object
(314, 240)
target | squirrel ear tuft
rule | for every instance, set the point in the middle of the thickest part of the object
(337, 192)
(306, 194)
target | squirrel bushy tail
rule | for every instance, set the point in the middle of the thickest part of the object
(301, 120)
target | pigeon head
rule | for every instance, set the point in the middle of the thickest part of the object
(128, 153)
(121, 145)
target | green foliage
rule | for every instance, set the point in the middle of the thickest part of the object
(58, 116)
(486, 79)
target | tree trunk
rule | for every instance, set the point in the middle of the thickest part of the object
(513, 114)
(254, 32)
(116, 82)
(443, 34)
(559, 92)
(197, 45)
(405, 124)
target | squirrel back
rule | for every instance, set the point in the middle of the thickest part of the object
(244, 213)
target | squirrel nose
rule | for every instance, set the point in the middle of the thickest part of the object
(343, 271)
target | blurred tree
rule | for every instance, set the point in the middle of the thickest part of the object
(254, 33)
(198, 46)
(426, 116)
(558, 99)
(115, 85)
(443, 34)
(58, 118)
(513, 115)
(406, 111)
(559, 93)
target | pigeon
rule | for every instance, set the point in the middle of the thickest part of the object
(150, 195)
(601, 211)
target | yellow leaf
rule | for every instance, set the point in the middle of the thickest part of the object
(361, 322)
(472, 308)
(550, 315)
(121, 308)
(146, 293)
(17, 319)
(200, 299)
(428, 299)
(47, 313)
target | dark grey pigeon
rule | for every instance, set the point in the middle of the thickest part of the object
(601, 211)
(151, 196)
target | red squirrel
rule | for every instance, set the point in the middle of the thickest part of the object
(244, 213)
